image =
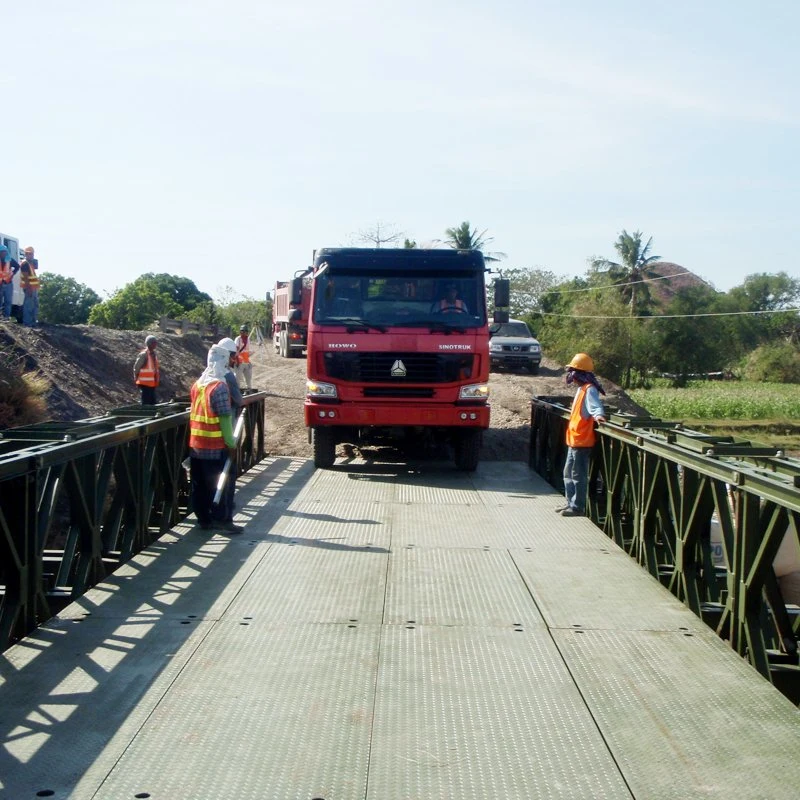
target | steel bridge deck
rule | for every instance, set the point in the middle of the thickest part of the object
(383, 631)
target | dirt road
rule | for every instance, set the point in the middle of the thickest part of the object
(506, 440)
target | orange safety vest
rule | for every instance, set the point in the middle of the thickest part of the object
(244, 351)
(30, 280)
(149, 374)
(580, 431)
(447, 307)
(5, 272)
(205, 432)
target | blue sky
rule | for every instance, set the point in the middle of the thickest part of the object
(225, 141)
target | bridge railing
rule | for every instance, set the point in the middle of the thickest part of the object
(661, 491)
(77, 499)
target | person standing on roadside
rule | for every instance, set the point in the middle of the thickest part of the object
(244, 369)
(8, 267)
(211, 440)
(30, 288)
(146, 372)
(587, 409)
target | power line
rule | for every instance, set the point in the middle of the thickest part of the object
(617, 285)
(668, 316)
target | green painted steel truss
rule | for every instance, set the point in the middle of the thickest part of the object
(79, 499)
(656, 489)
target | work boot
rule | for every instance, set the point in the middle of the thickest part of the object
(571, 512)
(230, 528)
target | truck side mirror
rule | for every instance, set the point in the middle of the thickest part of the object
(502, 293)
(297, 292)
(500, 315)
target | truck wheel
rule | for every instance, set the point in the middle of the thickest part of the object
(324, 448)
(533, 368)
(467, 450)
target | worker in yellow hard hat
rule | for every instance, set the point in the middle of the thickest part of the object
(587, 409)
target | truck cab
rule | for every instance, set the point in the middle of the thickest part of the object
(398, 350)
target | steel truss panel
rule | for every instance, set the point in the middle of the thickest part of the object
(80, 690)
(457, 587)
(623, 596)
(265, 712)
(683, 716)
(481, 713)
(316, 584)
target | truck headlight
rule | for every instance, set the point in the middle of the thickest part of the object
(475, 391)
(320, 389)
(495, 348)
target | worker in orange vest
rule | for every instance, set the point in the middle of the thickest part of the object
(587, 409)
(450, 302)
(146, 372)
(30, 288)
(244, 369)
(211, 441)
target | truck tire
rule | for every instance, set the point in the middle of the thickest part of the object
(533, 368)
(324, 448)
(467, 449)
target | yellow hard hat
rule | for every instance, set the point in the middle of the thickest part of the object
(582, 362)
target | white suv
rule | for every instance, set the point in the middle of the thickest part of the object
(511, 345)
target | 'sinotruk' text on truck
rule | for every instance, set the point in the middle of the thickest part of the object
(398, 350)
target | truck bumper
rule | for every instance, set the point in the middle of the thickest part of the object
(390, 415)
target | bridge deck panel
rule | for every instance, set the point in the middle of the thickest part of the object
(359, 641)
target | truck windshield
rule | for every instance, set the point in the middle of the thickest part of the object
(397, 300)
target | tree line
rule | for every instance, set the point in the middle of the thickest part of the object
(633, 315)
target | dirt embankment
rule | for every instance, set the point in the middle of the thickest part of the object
(89, 370)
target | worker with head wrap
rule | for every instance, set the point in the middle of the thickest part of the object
(211, 440)
(146, 373)
(587, 409)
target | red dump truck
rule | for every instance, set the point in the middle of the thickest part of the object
(398, 350)
(290, 310)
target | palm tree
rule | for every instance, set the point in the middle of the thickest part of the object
(631, 274)
(464, 238)
(633, 269)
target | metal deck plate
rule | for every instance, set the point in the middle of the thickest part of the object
(457, 587)
(622, 595)
(263, 712)
(95, 681)
(483, 714)
(352, 524)
(684, 717)
(316, 584)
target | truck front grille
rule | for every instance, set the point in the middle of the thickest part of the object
(399, 368)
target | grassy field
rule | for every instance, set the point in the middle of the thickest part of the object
(718, 400)
(762, 413)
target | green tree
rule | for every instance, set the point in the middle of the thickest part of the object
(684, 342)
(528, 287)
(144, 301)
(64, 301)
(465, 238)
(632, 271)
(630, 274)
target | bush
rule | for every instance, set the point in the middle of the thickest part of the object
(22, 395)
(773, 363)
